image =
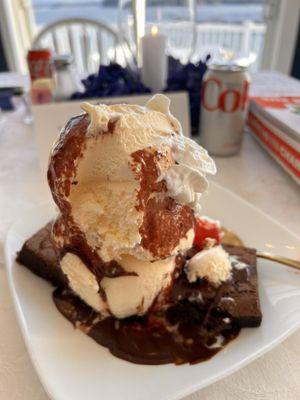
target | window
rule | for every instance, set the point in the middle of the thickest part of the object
(47, 11)
(267, 29)
(236, 26)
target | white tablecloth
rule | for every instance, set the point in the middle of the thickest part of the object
(252, 174)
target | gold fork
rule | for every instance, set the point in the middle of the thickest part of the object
(230, 237)
(279, 259)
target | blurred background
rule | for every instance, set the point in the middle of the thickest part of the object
(265, 30)
(210, 55)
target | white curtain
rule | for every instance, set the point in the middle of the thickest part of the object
(17, 30)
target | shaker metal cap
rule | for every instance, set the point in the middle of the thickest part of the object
(229, 66)
(63, 60)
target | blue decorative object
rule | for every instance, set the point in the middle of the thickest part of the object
(111, 80)
(6, 99)
(114, 80)
(188, 78)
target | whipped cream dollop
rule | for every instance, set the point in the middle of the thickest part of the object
(213, 264)
(186, 178)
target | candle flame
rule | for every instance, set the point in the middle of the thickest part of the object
(154, 30)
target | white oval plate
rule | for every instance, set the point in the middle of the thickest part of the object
(73, 366)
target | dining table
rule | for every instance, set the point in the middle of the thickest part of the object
(252, 174)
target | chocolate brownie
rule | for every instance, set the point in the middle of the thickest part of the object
(239, 297)
(41, 256)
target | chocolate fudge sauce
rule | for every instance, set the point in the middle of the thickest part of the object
(165, 221)
(147, 340)
(196, 321)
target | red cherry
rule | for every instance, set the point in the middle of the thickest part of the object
(206, 228)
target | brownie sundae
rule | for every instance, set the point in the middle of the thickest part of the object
(135, 264)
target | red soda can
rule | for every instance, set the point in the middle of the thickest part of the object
(224, 103)
(40, 63)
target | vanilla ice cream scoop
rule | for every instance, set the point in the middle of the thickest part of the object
(122, 296)
(127, 181)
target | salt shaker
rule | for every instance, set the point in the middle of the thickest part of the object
(66, 78)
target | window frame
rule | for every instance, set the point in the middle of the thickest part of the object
(281, 36)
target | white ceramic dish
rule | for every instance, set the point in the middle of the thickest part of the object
(73, 366)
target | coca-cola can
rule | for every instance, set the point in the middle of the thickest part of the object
(224, 102)
(40, 63)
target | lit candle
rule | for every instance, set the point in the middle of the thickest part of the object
(154, 68)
